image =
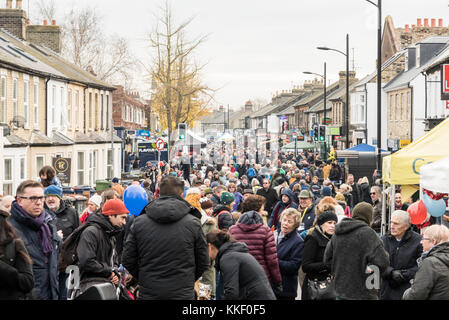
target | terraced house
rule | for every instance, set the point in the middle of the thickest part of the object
(50, 108)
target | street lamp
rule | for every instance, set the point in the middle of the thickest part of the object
(325, 98)
(379, 85)
(347, 84)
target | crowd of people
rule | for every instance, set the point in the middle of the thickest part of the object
(292, 229)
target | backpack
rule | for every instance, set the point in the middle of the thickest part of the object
(67, 255)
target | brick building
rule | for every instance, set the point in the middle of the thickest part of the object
(129, 110)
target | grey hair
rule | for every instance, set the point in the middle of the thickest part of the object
(403, 216)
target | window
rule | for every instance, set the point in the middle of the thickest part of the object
(36, 104)
(61, 108)
(26, 105)
(3, 100)
(109, 164)
(53, 105)
(7, 175)
(102, 112)
(80, 168)
(22, 168)
(90, 110)
(97, 115)
(69, 107)
(93, 167)
(402, 107)
(39, 164)
(77, 109)
(14, 97)
(107, 112)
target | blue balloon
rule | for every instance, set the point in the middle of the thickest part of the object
(135, 199)
(435, 208)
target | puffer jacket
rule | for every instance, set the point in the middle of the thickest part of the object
(67, 219)
(166, 249)
(352, 249)
(432, 278)
(250, 282)
(95, 248)
(251, 230)
(45, 268)
(281, 206)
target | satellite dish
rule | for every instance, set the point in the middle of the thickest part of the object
(18, 121)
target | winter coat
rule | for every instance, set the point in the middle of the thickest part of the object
(270, 196)
(365, 196)
(260, 241)
(45, 268)
(290, 251)
(208, 277)
(95, 248)
(307, 218)
(16, 280)
(353, 248)
(166, 249)
(281, 206)
(377, 216)
(432, 278)
(356, 194)
(312, 259)
(215, 199)
(243, 277)
(238, 199)
(67, 219)
(403, 256)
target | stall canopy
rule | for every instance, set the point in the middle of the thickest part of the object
(363, 147)
(435, 176)
(403, 167)
(299, 145)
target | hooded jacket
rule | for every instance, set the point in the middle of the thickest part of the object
(271, 196)
(67, 219)
(45, 268)
(432, 278)
(281, 206)
(353, 248)
(223, 216)
(166, 249)
(403, 257)
(259, 239)
(95, 248)
(243, 277)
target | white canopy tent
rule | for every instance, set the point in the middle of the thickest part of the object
(435, 176)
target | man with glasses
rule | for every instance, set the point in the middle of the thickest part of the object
(376, 197)
(269, 194)
(37, 227)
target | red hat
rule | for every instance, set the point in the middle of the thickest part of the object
(114, 207)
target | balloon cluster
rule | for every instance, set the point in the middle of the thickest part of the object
(135, 199)
(418, 210)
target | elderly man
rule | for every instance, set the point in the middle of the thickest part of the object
(37, 227)
(67, 220)
(404, 247)
(306, 209)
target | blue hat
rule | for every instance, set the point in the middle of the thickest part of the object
(214, 184)
(53, 190)
(326, 191)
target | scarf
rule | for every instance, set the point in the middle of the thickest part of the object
(38, 224)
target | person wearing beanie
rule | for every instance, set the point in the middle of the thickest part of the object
(96, 243)
(67, 220)
(222, 212)
(353, 251)
(93, 206)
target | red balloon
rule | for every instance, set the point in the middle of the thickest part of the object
(417, 212)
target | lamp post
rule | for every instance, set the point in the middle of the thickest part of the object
(379, 85)
(325, 98)
(347, 85)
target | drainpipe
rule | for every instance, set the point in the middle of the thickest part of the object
(366, 114)
(411, 111)
(84, 104)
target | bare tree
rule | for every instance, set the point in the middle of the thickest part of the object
(179, 95)
(45, 10)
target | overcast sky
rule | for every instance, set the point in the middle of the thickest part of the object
(256, 48)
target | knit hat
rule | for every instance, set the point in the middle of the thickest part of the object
(207, 191)
(53, 190)
(207, 204)
(214, 184)
(316, 188)
(244, 177)
(325, 217)
(227, 198)
(305, 194)
(96, 199)
(363, 211)
(114, 207)
(326, 191)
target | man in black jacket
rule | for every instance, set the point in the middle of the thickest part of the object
(96, 246)
(67, 220)
(269, 194)
(166, 249)
(404, 247)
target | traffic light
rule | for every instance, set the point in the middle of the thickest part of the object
(322, 133)
(182, 131)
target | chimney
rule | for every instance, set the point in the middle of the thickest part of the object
(45, 35)
(426, 22)
(419, 22)
(248, 106)
(14, 19)
(407, 28)
(342, 80)
(433, 23)
(413, 26)
(19, 4)
(440, 23)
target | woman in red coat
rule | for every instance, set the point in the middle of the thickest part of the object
(259, 238)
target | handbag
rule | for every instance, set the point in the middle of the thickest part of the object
(322, 290)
